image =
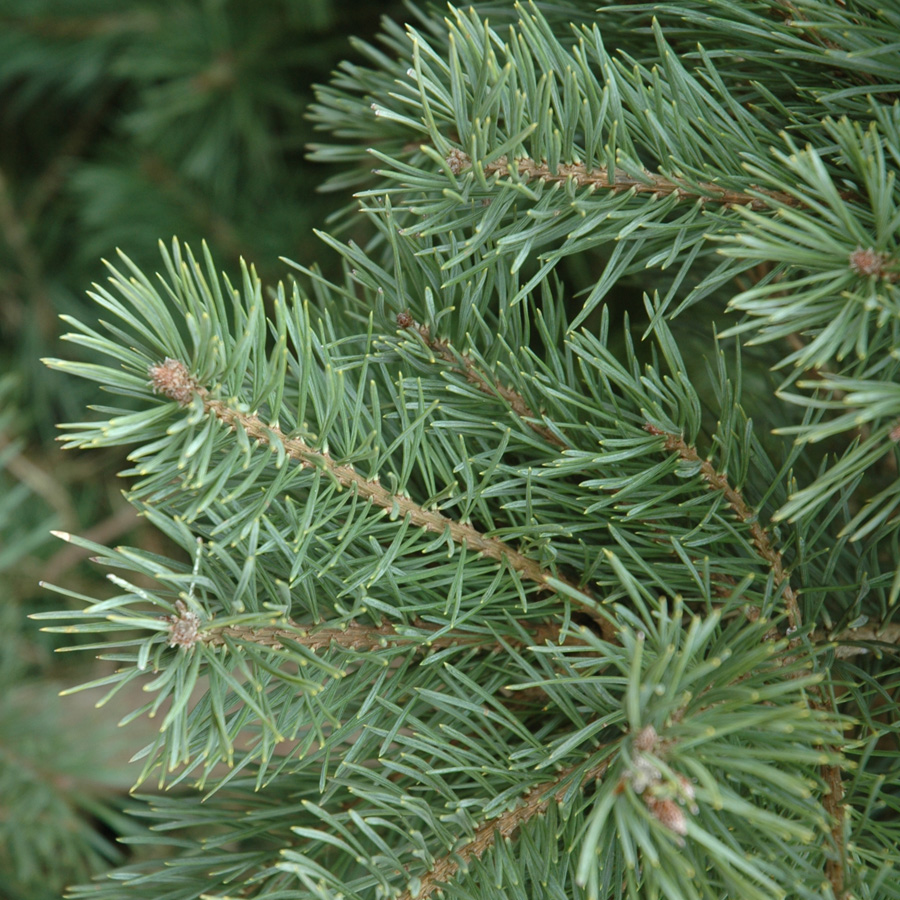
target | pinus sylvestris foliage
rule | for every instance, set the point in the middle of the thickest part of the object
(552, 551)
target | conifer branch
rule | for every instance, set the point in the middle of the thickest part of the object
(834, 806)
(796, 18)
(741, 170)
(504, 826)
(173, 379)
(620, 182)
(833, 803)
(832, 800)
(465, 365)
(355, 636)
(848, 641)
(760, 539)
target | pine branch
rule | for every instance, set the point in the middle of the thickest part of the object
(122, 520)
(620, 182)
(851, 641)
(795, 17)
(173, 379)
(504, 827)
(758, 535)
(833, 802)
(833, 799)
(669, 162)
(186, 629)
(466, 366)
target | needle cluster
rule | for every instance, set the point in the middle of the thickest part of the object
(551, 552)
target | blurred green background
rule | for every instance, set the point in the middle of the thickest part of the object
(121, 123)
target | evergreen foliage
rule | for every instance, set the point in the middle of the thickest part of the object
(124, 120)
(550, 551)
(120, 120)
(60, 788)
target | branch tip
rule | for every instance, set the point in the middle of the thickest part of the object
(457, 161)
(184, 628)
(867, 261)
(173, 379)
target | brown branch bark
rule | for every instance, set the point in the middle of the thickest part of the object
(833, 798)
(620, 182)
(466, 366)
(504, 826)
(173, 379)
(850, 642)
(364, 637)
(758, 535)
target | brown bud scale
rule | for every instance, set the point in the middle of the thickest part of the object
(173, 379)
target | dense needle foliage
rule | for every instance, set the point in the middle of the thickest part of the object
(120, 121)
(551, 550)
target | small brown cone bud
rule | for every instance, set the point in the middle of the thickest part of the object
(184, 629)
(173, 379)
(669, 814)
(866, 262)
(646, 739)
(457, 161)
